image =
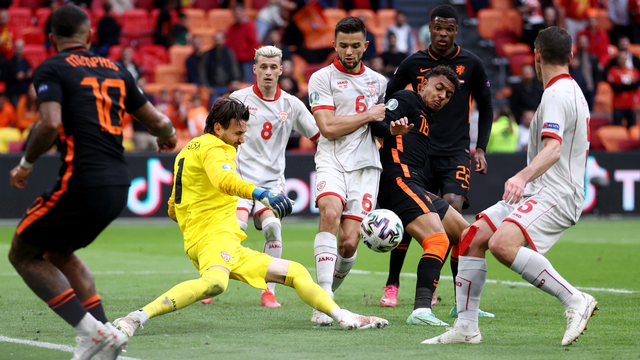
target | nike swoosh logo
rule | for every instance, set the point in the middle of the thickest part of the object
(469, 338)
(425, 70)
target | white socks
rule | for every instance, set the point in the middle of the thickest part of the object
(272, 231)
(325, 250)
(243, 225)
(537, 270)
(87, 325)
(472, 275)
(343, 266)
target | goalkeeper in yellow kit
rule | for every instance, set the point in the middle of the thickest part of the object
(203, 202)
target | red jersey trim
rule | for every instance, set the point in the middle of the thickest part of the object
(559, 77)
(323, 107)
(484, 216)
(256, 91)
(551, 135)
(331, 193)
(338, 65)
(316, 136)
(352, 217)
(524, 231)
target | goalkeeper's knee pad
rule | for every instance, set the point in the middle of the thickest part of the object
(216, 281)
(295, 271)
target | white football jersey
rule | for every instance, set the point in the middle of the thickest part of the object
(261, 159)
(563, 114)
(333, 88)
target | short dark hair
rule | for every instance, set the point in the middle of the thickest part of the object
(554, 45)
(68, 20)
(223, 111)
(350, 25)
(446, 72)
(444, 11)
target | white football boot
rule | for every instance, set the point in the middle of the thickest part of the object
(360, 322)
(118, 345)
(127, 325)
(320, 318)
(90, 344)
(577, 319)
(454, 336)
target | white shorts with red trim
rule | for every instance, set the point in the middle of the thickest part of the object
(357, 189)
(255, 206)
(539, 217)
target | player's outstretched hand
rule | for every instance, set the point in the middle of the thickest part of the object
(480, 161)
(276, 202)
(19, 176)
(514, 189)
(167, 144)
(377, 112)
(401, 126)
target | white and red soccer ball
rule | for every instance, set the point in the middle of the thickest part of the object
(381, 230)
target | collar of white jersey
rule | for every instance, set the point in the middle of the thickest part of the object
(338, 65)
(257, 91)
(558, 77)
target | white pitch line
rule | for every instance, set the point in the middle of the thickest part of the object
(47, 345)
(353, 271)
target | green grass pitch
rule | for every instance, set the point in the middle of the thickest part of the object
(133, 264)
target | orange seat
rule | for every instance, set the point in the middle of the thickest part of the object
(510, 49)
(333, 16)
(42, 15)
(251, 13)
(196, 19)
(33, 36)
(518, 60)
(386, 18)
(489, 21)
(504, 37)
(313, 26)
(206, 34)
(35, 54)
(634, 132)
(603, 101)
(513, 21)
(501, 4)
(604, 22)
(167, 74)
(610, 136)
(20, 18)
(370, 17)
(221, 19)
(178, 55)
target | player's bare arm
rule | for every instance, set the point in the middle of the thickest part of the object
(550, 154)
(42, 137)
(159, 125)
(332, 126)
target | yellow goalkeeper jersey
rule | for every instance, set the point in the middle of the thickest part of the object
(206, 190)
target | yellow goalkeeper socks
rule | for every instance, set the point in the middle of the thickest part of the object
(311, 293)
(213, 282)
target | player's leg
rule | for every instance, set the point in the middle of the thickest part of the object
(214, 258)
(396, 259)
(520, 243)
(292, 274)
(272, 231)
(362, 192)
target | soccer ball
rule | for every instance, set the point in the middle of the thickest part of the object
(381, 230)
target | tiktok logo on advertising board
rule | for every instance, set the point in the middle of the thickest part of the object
(157, 175)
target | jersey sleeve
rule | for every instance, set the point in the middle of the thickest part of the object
(304, 122)
(395, 108)
(47, 83)
(220, 166)
(400, 78)
(320, 94)
(135, 98)
(383, 90)
(553, 113)
(482, 94)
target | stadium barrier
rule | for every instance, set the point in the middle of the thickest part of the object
(152, 178)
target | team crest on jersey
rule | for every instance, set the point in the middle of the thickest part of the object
(392, 104)
(227, 167)
(372, 89)
(460, 69)
(314, 97)
(283, 115)
(225, 256)
(321, 186)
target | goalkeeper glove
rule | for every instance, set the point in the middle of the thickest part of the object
(276, 202)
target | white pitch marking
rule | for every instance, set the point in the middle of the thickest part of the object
(47, 345)
(353, 271)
